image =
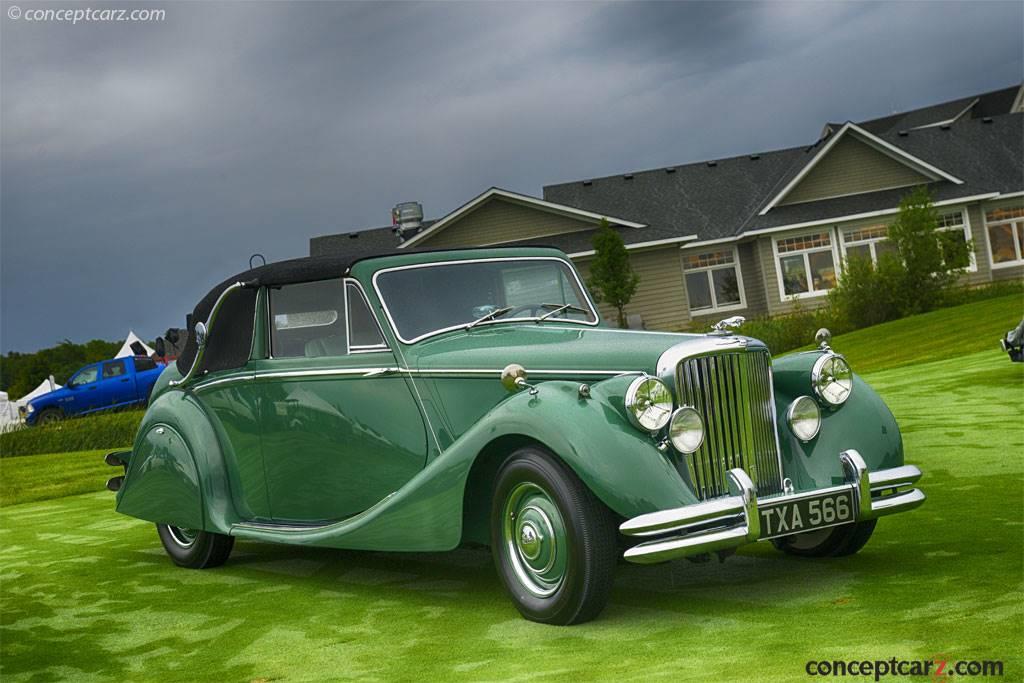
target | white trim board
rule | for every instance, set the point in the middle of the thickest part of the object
(907, 159)
(522, 199)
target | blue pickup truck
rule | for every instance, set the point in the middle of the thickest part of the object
(105, 385)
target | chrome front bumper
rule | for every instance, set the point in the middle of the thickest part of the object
(725, 523)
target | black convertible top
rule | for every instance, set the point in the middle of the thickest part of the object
(238, 311)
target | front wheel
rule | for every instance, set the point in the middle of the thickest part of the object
(49, 416)
(837, 541)
(193, 548)
(552, 540)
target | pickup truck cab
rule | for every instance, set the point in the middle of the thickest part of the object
(115, 383)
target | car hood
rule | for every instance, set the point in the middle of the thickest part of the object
(546, 347)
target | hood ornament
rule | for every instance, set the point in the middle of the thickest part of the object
(725, 327)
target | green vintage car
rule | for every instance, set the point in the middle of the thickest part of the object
(419, 401)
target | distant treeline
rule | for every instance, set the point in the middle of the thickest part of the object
(20, 373)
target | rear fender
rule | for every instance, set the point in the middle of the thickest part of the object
(176, 473)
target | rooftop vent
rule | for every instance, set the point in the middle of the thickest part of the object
(755, 157)
(670, 169)
(712, 164)
(353, 235)
(628, 176)
(588, 183)
(903, 133)
(986, 119)
(406, 219)
(944, 126)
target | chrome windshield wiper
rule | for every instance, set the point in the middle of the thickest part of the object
(490, 316)
(560, 308)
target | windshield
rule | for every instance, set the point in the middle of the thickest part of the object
(423, 300)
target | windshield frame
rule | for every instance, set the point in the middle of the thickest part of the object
(435, 264)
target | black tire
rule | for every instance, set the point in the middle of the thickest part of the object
(195, 549)
(49, 416)
(582, 552)
(833, 542)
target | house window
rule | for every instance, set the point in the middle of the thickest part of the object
(872, 241)
(867, 242)
(713, 280)
(1005, 229)
(954, 233)
(806, 264)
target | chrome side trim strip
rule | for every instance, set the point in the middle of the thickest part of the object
(377, 371)
(290, 529)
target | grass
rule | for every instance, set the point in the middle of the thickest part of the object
(53, 475)
(89, 594)
(103, 430)
(945, 333)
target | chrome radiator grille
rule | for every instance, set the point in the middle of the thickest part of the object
(733, 393)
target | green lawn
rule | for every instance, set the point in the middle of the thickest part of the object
(945, 333)
(89, 595)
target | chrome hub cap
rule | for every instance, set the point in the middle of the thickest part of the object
(183, 537)
(535, 539)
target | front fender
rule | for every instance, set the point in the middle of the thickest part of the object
(620, 464)
(863, 423)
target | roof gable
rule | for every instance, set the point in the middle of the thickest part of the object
(509, 217)
(853, 161)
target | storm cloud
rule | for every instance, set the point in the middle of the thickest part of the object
(142, 162)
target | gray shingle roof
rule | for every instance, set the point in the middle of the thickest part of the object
(722, 198)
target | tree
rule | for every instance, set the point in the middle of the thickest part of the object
(612, 278)
(915, 276)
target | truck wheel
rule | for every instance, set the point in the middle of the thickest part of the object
(552, 540)
(195, 549)
(49, 416)
(836, 541)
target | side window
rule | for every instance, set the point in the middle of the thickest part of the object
(306, 320)
(143, 364)
(86, 376)
(363, 330)
(114, 368)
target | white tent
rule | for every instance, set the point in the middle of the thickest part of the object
(45, 387)
(8, 412)
(126, 348)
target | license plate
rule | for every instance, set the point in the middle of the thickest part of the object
(806, 514)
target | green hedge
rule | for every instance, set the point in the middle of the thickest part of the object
(105, 430)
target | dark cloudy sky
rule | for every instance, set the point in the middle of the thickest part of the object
(141, 163)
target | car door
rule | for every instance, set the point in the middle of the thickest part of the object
(341, 429)
(116, 383)
(85, 394)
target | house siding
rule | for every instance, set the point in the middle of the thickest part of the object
(852, 167)
(498, 221)
(660, 296)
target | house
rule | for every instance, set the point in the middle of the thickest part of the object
(755, 234)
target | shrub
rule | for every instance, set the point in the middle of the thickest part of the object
(106, 430)
(920, 274)
(784, 333)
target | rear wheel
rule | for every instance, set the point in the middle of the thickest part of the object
(553, 541)
(193, 548)
(836, 541)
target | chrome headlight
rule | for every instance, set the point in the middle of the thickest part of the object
(686, 430)
(30, 409)
(804, 418)
(832, 379)
(648, 403)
